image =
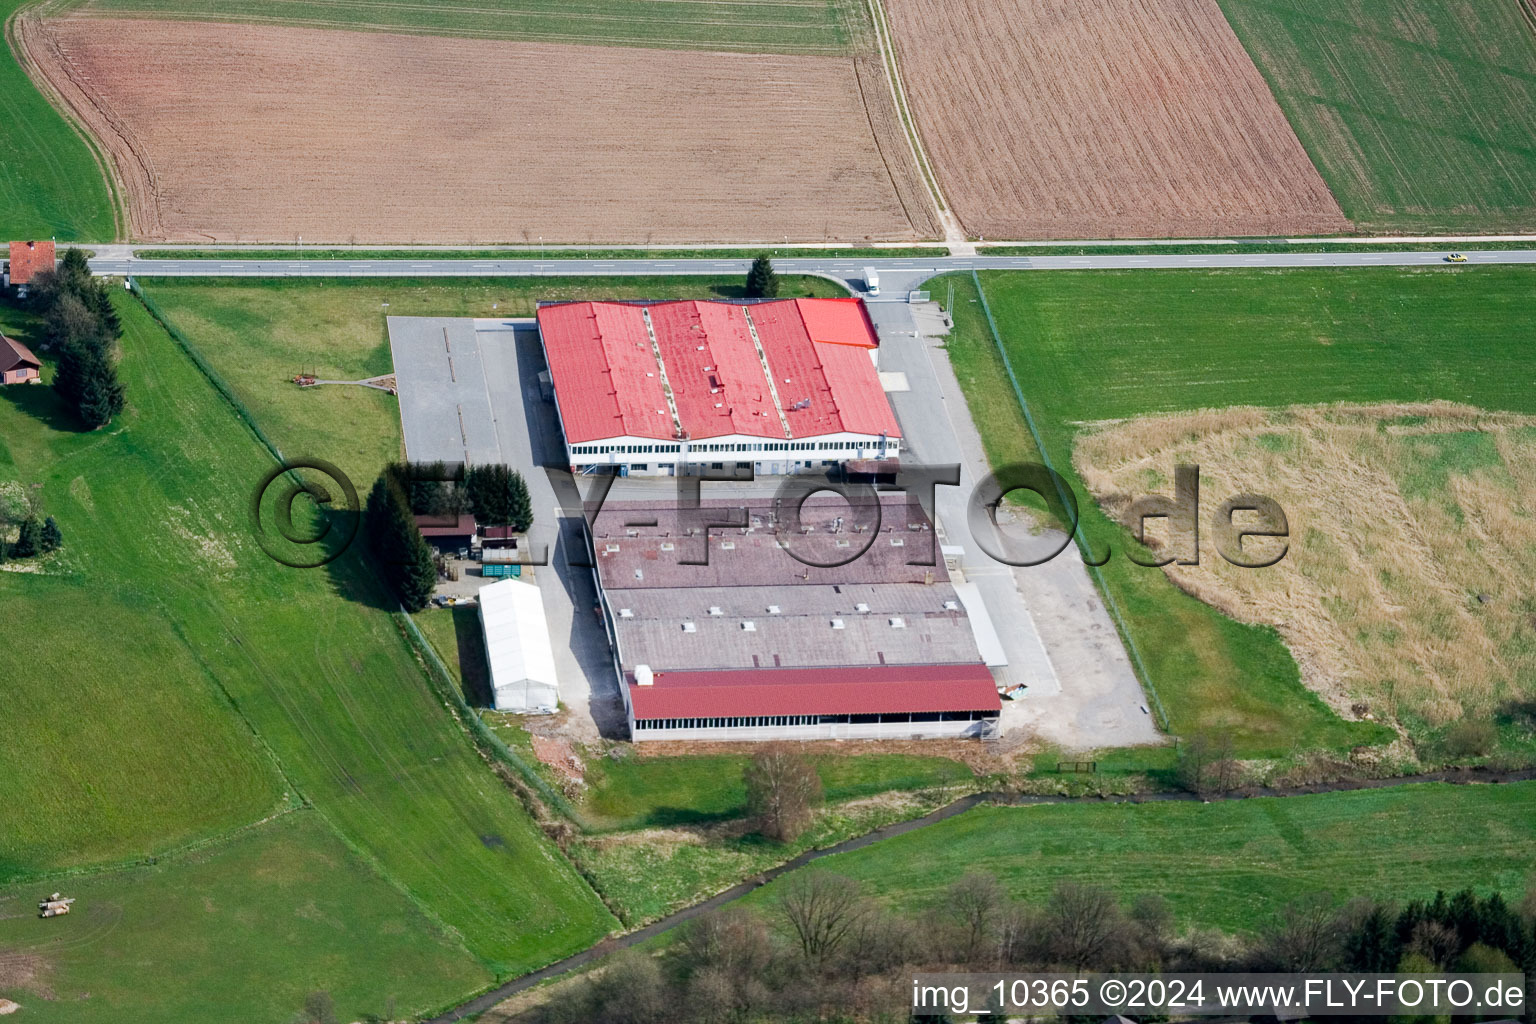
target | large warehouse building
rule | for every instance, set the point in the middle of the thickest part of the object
(756, 644)
(658, 387)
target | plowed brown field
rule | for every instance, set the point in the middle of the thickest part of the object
(1102, 118)
(242, 133)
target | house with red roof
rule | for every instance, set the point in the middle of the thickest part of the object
(17, 363)
(27, 260)
(784, 386)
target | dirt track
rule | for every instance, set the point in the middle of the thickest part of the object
(242, 133)
(1103, 118)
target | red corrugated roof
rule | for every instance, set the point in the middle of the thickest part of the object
(869, 690)
(608, 382)
(29, 259)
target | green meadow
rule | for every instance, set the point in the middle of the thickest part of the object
(308, 664)
(51, 184)
(1420, 114)
(750, 26)
(1229, 864)
(236, 932)
(1091, 346)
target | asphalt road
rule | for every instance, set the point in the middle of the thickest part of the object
(896, 275)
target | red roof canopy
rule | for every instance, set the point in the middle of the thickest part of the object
(611, 381)
(29, 259)
(445, 526)
(868, 690)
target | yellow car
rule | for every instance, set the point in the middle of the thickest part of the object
(1456, 257)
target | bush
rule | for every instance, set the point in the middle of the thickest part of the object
(1471, 738)
(30, 541)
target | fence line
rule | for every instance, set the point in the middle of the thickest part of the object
(1077, 532)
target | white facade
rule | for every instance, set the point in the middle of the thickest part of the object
(648, 456)
(517, 648)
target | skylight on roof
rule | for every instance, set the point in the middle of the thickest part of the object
(897, 622)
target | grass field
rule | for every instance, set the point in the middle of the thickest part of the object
(1230, 865)
(641, 792)
(236, 933)
(157, 505)
(1420, 114)
(752, 26)
(1425, 611)
(50, 184)
(1093, 346)
(258, 334)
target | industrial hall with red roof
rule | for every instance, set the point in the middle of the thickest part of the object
(784, 386)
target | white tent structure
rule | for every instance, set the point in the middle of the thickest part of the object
(517, 647)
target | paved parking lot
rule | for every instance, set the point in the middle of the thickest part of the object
(1060, 642)
(469, 393)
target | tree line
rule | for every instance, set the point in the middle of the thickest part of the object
(822, 949)
(495, 495)
(79, 321)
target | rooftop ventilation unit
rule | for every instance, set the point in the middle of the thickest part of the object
(837, 624)
(951, 606)
(897, 542)
(714, 609)
(610, 549)
(689, 627)
(667, 545)
(773, 609)
(644, 676)
(727, 545)
(749, 627)
(897, 622)
(626, 613)
(861, 607)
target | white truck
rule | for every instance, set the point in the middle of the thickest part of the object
(871, 281)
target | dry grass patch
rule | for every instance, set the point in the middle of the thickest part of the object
(241, 133)
(1103, 118)
(1409, 585)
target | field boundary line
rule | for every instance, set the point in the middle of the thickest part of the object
(169, 853)
(885, 42)
(1077, 530)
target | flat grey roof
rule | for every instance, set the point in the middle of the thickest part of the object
(672, 615)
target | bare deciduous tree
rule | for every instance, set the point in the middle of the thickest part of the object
(733, 940)
(975, 903)
(782, 790)
(821, 910)
(1306, 938)
(1084, 927)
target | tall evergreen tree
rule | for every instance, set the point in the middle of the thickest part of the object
(403, 553)
(52, 537)
(498, 496)
(87, 381)
(30, 541)
(762, 282)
